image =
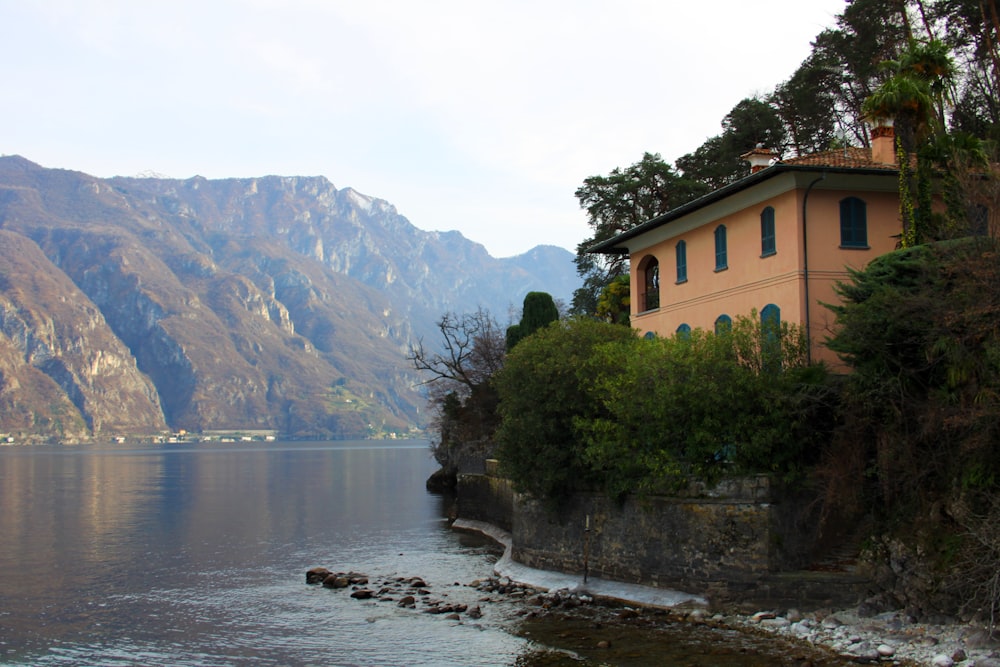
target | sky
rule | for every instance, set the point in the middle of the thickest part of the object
(473, 115)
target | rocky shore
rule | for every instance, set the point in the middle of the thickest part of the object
(888, 638)
(857, 634)
(891, 638)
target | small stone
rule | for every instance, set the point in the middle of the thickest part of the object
(316, 575)
(775, 622)
(801, 629)
(475, 612)
(453, 617)
(407, 601)
(362, 594)
(886, 651)
(865, 651)
(336, 581)
(959, 655)
(697, 615)
(762, 616)
(942, 660)
(604, 643)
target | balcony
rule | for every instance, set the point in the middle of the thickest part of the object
(649, 301)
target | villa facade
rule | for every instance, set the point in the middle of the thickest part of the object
(776, 241)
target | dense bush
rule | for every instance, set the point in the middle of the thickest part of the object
(590, 405)
(919, 447)
(701, 404)
(543, 387)
(920, 329)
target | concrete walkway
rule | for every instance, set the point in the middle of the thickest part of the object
(646, 596)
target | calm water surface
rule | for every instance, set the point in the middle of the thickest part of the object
(196, 555)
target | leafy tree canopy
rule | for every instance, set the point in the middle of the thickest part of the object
(589, 405)
(616, 203)
(542, 389)
(717, 162)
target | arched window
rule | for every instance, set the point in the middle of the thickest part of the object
(721, 256)
(853, 223)
(723, 324)
(682, 261)
(770, 319)
(770, 327)
(649, 335)
(768, 245)
(649, 271)
(684, 331)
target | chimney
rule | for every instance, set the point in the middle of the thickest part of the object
(884, 142)
(759, 158)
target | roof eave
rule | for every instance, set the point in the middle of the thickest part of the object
(613, 245)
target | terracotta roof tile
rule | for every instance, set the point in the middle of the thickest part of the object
(855, 158)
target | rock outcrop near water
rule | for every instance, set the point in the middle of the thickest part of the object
(136, 305)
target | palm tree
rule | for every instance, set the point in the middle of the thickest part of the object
(913, 97)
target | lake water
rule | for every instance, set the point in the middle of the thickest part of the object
(196, 555)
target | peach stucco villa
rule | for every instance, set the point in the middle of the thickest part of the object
(775, 241)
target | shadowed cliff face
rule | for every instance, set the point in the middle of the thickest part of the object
(136, 305)
(62, 369)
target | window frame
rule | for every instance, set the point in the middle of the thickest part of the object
(680, 255)
(721, 249)
(854, 223)
(649, 272)
(768, 239)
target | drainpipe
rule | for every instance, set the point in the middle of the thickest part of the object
(805, 264)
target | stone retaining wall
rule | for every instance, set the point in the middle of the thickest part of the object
(735, 541)
(488, 497)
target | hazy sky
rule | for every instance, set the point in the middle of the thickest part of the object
(481, 116)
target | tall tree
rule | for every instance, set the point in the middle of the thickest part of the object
(868, 32)
(616, 203)
(538, 310)
(717, 162)
(971, 29)
(806, 104)
(460, 381)
(913, 97)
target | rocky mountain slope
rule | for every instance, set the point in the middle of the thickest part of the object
(137, 305)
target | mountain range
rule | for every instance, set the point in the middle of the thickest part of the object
(138, 306)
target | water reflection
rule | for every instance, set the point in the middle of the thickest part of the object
(169, 554)
(196, 555)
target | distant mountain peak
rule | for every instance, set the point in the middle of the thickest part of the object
(268, 303)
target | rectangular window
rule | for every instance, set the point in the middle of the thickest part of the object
(853, 223)
(682, 262)
(768, 245)
(721, 256)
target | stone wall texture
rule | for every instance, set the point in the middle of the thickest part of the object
(487, 497)
(739, 540)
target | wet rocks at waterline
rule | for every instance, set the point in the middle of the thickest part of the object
(414, 592)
